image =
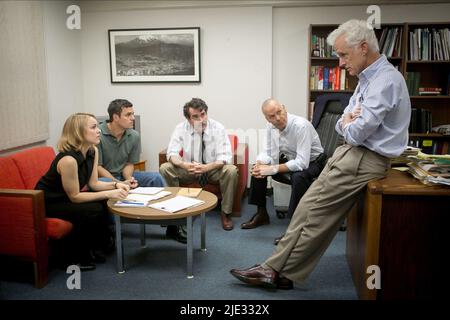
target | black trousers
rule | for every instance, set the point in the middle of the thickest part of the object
(299, 180)
(90, 226)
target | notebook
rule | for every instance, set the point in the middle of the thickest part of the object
(140, 200)
(146, 190)
(177, 203)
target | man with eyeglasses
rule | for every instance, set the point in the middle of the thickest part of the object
(206, 156)
(293, 155)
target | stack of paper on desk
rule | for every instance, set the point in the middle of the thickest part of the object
(429, 172)
(176, 204)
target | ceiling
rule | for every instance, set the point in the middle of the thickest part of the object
(112, 5)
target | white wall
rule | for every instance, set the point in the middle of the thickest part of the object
(63, 55)
(246, 55)
(290, 41)
(236, 69)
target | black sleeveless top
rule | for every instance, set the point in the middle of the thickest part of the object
(51, 182)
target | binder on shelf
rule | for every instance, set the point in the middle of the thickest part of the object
(421, 121)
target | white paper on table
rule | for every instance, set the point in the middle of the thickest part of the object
(159, 195)
(140, 200)
(146, 197)
(177, 203)
(146, 190)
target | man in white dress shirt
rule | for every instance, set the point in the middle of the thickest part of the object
(293, 149)
(206, 156)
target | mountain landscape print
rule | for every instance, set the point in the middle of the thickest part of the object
(154, 56)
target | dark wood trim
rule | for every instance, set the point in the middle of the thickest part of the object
(40, 232)
(399, 225)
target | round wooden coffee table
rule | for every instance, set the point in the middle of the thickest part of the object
(144, 215)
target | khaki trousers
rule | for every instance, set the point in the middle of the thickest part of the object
(322, 209)
(227, 177)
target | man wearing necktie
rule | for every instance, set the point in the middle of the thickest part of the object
(203, 179)
(206, 156)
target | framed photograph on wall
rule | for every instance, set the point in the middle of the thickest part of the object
(155, 55)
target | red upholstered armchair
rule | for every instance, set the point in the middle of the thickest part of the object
(240, 160)
(24, 230)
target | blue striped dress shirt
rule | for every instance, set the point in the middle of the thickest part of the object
(385, 110)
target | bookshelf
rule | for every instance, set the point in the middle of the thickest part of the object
(425, 63)
(428, 58)
(321, 59)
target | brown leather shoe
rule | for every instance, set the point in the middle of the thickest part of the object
(227, 223)
(257, 276)
(285, 283)
(257, 220)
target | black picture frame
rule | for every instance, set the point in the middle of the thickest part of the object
(154, 55)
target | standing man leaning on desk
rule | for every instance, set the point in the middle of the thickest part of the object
(206, 156)
(375, 128)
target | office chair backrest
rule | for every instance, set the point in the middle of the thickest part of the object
(327, 111)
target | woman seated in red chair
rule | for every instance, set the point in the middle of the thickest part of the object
(65, 185)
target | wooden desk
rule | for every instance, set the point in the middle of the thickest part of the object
(402, 226)
(140, 166)
(143, 215)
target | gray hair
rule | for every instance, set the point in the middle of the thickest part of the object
(355, 31)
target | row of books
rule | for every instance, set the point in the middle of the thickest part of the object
(320, 48)
(429, 145)
(413, 82)
(425, 44)
(429, 91)
(328, 78)
(390, 42)
(414, 88)
(421, 121)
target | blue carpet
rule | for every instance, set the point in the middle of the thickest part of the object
(158, 271)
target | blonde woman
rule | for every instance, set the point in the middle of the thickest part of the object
(72, 173)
